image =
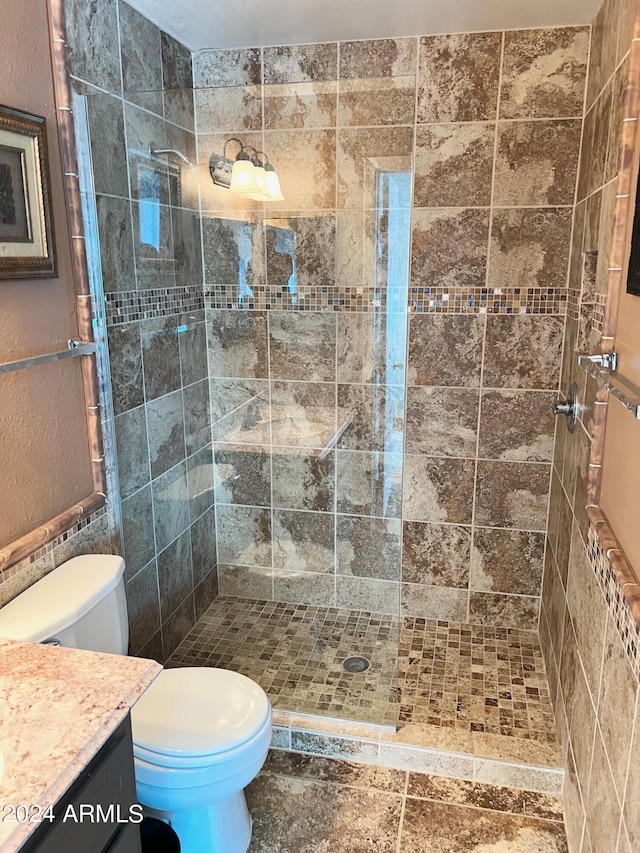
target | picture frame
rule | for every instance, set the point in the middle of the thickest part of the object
(633, 275)
(26, 225)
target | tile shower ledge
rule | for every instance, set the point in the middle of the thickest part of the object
(57, 708)
(476, 756)
(246, 426)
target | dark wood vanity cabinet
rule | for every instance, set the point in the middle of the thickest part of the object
(108, 782)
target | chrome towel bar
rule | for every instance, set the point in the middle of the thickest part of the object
(74, 348)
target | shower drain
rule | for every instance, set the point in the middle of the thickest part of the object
(355, 664)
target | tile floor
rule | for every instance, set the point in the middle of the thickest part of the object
(450, 675)
(474, 677)
(295, 653)
(303, 804)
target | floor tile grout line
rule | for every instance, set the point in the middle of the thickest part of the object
(404, 793)
(402, 811)
(548, 827)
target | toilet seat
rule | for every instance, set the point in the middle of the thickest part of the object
(191, 716)
(202, 760)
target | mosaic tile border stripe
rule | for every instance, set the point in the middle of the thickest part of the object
(628, 628)
(130, 305)
(599, 308)
(488, 300)
(329, 298)
(474, 300)
(573, 304)
(7, 574)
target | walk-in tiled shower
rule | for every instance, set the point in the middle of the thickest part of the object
(327, 421)
(333, 413)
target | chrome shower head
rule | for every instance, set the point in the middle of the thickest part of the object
(156, 151)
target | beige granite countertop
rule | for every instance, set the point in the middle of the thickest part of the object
(57, 707)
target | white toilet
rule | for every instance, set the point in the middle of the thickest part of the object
(200, 735)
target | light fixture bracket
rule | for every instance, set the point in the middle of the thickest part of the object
(220, 169)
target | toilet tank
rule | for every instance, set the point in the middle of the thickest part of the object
(81, 604)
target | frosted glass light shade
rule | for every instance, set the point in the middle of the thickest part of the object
(243, 180)
(273, 186)
(262, 193)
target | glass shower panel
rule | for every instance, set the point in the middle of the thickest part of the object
(258, 356)
(307, 325)
(142, 227)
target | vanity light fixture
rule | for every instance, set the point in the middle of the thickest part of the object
(248, 175)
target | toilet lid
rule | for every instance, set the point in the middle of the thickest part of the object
(198, 711)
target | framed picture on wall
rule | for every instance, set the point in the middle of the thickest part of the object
(26, 227)
(633, 276)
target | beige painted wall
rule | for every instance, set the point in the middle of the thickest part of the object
(621, 469)
(621, 472)
(628, 337)
(628, 328)
(36, 315)
(43, 469)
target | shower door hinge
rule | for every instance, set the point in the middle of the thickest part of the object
(606, 361)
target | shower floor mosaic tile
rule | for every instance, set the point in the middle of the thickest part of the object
(474, 677)
(295, 653)
(447, 674)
